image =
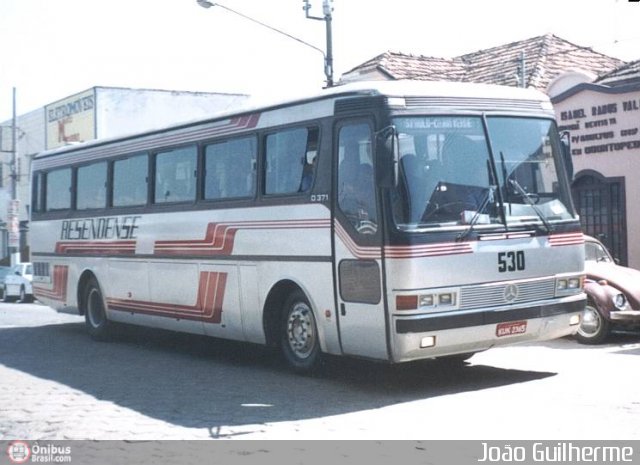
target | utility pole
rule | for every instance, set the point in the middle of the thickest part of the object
(13, 217)
(327, 10)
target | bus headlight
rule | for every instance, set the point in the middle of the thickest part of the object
(573, 283)
(440, 299)
(568, 285)
(427, 300)
(446, 299)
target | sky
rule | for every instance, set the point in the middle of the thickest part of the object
(50, 49)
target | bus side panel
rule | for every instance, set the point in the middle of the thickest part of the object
(219, 290)
(126, 279)
(250, 303)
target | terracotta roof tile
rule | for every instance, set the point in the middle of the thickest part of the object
(625, 74)
(545, 56)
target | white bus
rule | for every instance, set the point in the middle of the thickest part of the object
(393, 221)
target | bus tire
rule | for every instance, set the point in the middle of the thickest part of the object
(95, 315)
(299, 340)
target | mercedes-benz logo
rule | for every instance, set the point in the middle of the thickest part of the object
(510, 293)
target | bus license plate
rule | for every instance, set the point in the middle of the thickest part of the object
(511, 329)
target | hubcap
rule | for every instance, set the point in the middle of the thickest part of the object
(95, 309)
(591, 322)
(301, 331)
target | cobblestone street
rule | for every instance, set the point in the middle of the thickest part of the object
(56, 383)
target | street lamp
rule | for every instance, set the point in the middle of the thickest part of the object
(328, 57)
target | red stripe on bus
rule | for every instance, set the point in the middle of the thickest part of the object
(432, 250)
(557, 240)
(59, 290)
(228, 126)
(208, 306)
(96, 247)
(219, 238)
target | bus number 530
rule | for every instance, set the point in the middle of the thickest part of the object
(511, 261)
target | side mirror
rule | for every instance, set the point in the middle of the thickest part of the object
(17, 273)
(565, 143)
(387, 157)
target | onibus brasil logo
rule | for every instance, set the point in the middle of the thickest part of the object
(19, 452)
(22, 452)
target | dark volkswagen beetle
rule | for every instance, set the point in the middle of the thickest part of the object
(613, 293)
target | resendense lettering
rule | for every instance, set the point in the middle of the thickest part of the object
(114, 227)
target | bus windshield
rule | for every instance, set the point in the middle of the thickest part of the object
(447, 176)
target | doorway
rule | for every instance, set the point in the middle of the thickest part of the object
(600, 202)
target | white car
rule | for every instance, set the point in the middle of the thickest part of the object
(17, 284)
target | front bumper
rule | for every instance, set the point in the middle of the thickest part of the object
(477, 330)
(625, 316)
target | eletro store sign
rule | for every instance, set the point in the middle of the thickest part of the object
(71, 120)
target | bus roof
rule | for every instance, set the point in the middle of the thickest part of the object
(396, 88)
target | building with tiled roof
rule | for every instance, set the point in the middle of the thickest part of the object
(396, 65)
(626, 74)
(603, 119)
(545, 59)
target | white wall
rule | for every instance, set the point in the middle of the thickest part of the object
(130, 111)
(608, 142)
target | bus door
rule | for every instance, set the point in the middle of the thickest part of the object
(358, 240)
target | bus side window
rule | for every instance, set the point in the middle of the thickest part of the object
(230, 169)
(58, 190)
(175, 175)
(309, 161)
(356, 189)
(91, 186)
(37, 187)
(130, 181)
(290, 160)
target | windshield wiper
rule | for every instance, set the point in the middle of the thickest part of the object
(525, 195)
(488, 198)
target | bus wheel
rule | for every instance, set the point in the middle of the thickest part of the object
(299, 334)
(95, 315)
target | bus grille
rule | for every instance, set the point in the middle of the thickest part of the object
(494, 295)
